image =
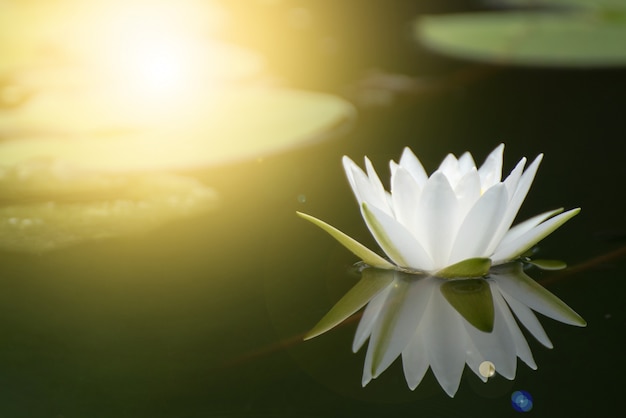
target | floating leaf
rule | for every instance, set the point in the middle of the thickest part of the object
(530, 38)
(46, 206)
(242, 124)
(473, 300)
(548, 264)
(472, 267)
(372, 282)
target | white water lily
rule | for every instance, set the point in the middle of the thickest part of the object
(444, 296)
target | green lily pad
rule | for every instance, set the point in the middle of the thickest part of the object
(372, 282)
(46, 206)
(472, 299)
(245, 123)
(472, 267)
(529, 38)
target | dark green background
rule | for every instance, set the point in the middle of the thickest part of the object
(203, 317)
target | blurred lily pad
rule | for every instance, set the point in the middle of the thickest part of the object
(47, 205)
(565, 38)
(242, 124)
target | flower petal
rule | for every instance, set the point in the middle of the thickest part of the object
(372, 282)
(524, 242)
(467, 191)
(523, 186)
(528, 319)
(466, 163)
(521, 287)
(450, 168)
(477, 229)
(512, 180)
(395, 240)
(405, 194)
(491, 171)
(368, 256)
(365, 190)
(398, 320)
(437, 223)
(409, 161)
(446, 341)
(523, 227)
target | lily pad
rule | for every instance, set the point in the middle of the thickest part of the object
(473, 300)
(246, 123)
(46, 206)
(529, 38)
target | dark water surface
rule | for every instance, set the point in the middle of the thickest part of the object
(204, 317)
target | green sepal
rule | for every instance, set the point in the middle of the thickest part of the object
(471, 267)
(548, 264)
(472, 299)
(372, 282)
(368, 256)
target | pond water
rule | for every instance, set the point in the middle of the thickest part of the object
(204, 317)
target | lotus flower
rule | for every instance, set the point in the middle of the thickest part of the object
(444, 296)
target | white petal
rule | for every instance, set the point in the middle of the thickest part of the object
(523, 227)
(446, 341)
(491, 170)
(515, 202)
(415, 359)
(409, 161)
(398, 320)
(363, 188)
(513, 178)
(370, 315)
(528, 319)
(377, 185)
(450, 168)
(395, 240)
(477, 229)
(524, 242)
(466, 163)
(405, 194)
(437, 223)
(467, 191)
(521, 345)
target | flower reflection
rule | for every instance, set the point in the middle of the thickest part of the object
(454, 283)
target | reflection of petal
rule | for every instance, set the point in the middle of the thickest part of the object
(521, 346)
(527, 291)
(395, 326)
(370, 315)
(445, 344)
(528, 319)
